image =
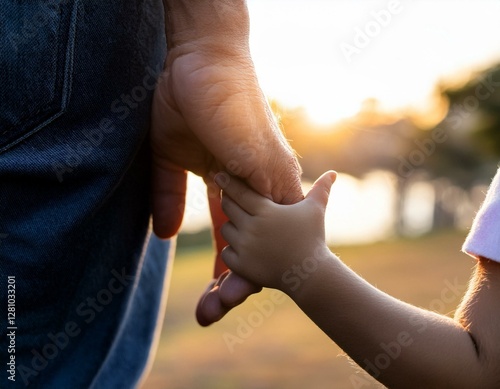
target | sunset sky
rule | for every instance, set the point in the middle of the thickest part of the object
(331, 55)
(303, 50)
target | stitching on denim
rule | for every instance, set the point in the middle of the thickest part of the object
(67, 81)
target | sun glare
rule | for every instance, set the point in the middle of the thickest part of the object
(330, 56)
(323, 109)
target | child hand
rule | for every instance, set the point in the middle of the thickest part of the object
(268, 240)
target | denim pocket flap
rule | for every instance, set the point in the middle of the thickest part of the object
(36, 45)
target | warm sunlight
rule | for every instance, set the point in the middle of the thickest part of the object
(324, 108)
(350, 216)
(330, 56)
(402, 99)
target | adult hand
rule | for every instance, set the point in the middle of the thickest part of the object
(209, 114)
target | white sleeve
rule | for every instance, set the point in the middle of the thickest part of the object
(484, 237)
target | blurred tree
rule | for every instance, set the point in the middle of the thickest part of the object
(461, 151)
(370, 141)
(473, 118)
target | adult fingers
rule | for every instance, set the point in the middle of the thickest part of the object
(169, 193)
(210, 308)
(218, 220)
(221, 295)
(235, 289)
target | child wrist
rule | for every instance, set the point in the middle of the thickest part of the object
(305, 273)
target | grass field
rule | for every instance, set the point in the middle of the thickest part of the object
(284, 349)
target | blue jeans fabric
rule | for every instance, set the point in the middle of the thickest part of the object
(76, 84)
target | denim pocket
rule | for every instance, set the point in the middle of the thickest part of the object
(36, 55)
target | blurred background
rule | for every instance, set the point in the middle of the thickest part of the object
(403, 100)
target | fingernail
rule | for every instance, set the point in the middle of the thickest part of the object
(222, 179)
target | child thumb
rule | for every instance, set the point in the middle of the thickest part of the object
(320, 191)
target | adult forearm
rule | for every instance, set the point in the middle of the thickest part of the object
(217, 22)
(401, 345)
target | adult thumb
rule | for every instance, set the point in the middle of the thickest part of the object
(320, 191)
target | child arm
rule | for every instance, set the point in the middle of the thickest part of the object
(401, 345)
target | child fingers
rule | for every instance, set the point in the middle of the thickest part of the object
(320, 191)
(230, 258)
(230, 234)
(232, 210)
(244, 196)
